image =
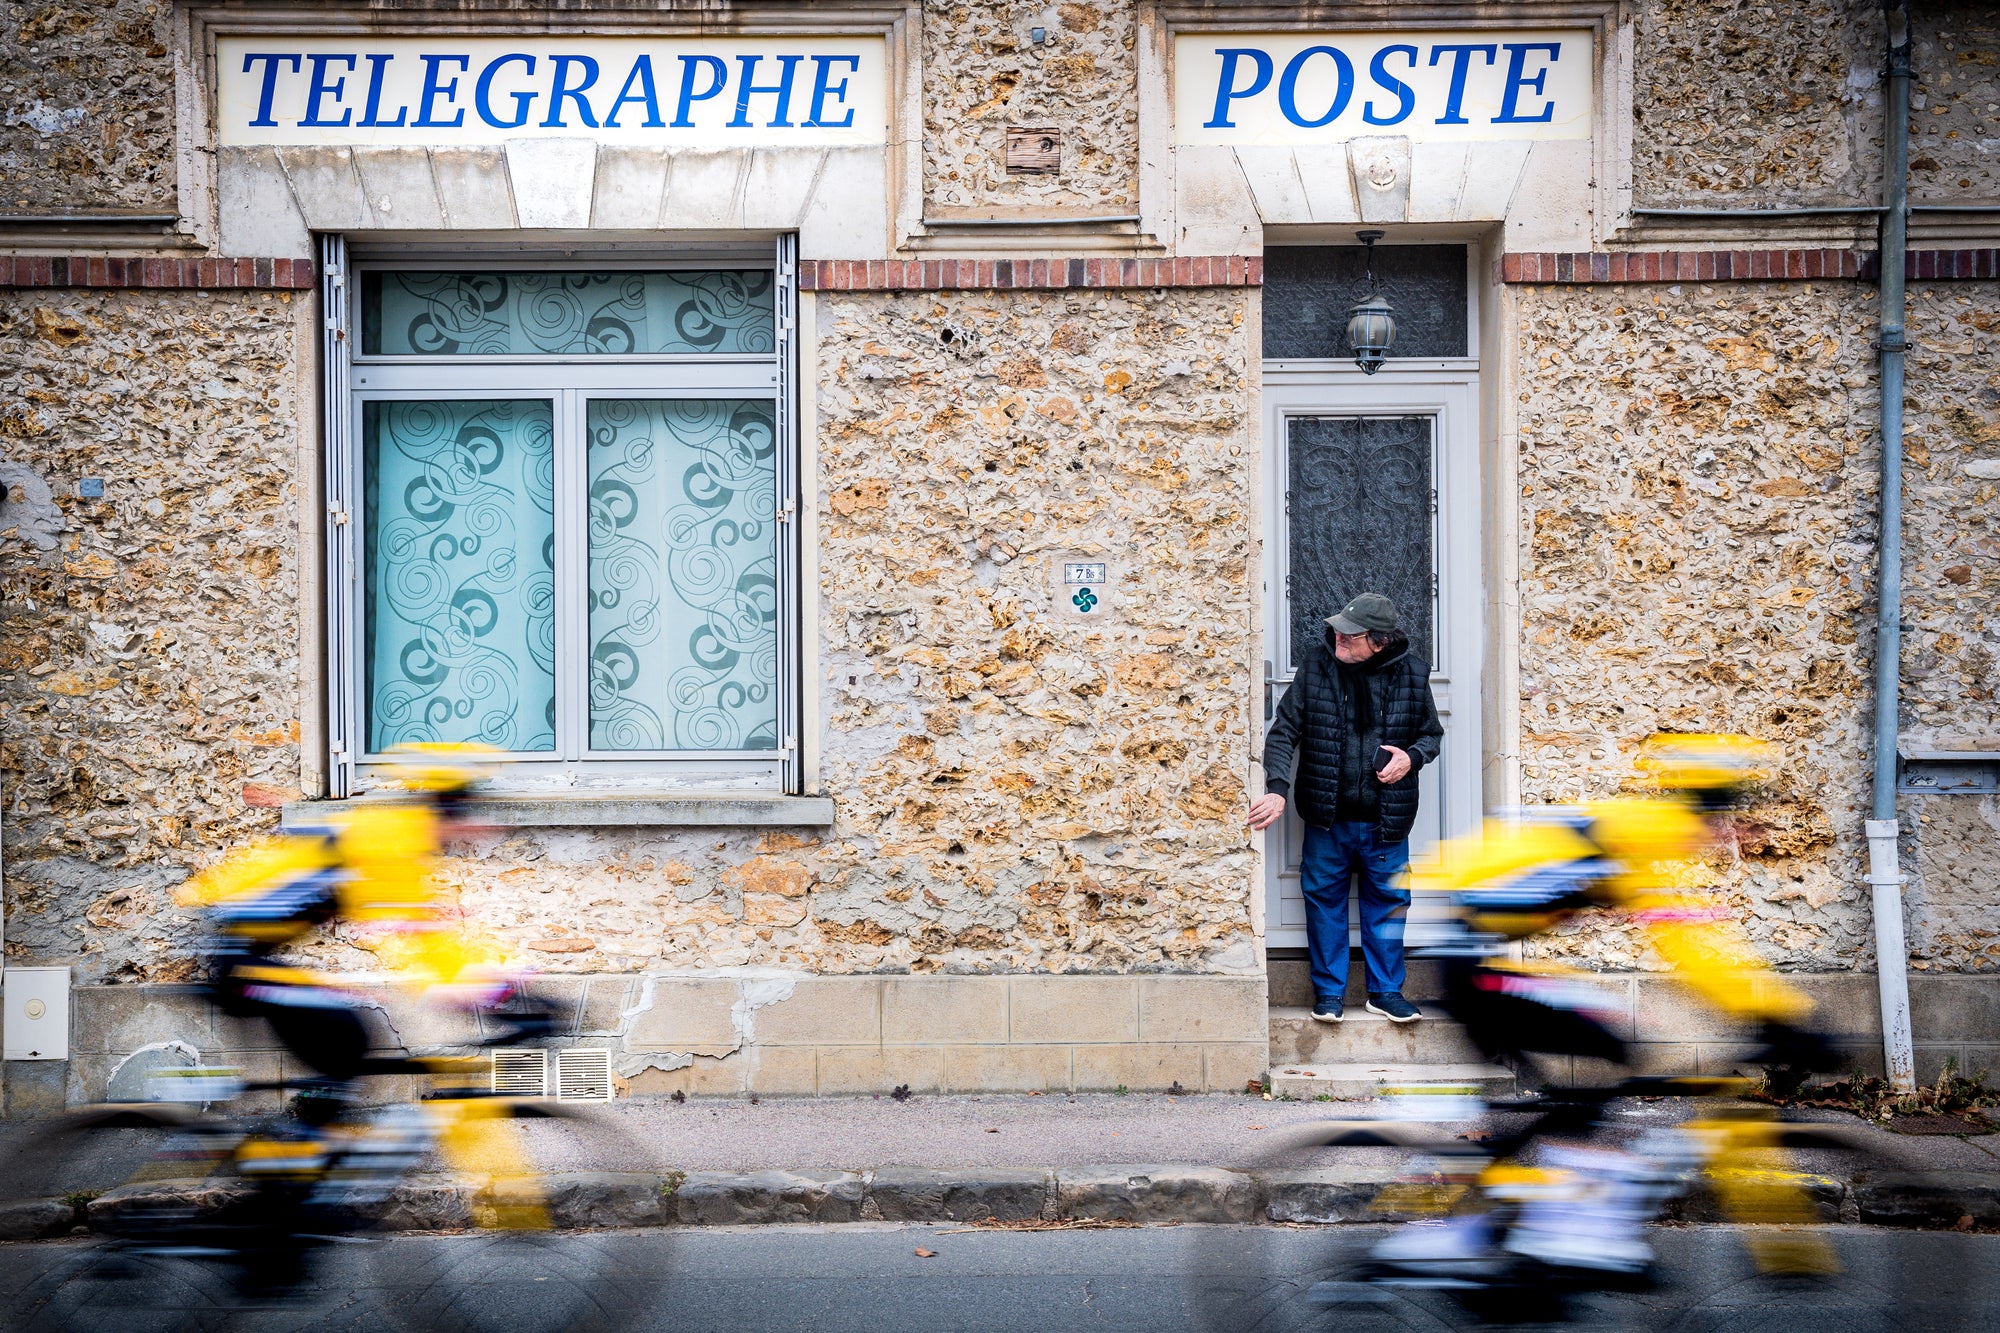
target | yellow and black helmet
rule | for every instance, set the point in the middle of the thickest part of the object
(1712, 770)
(445, 771)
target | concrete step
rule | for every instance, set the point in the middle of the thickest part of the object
(1361, 1036)
(1360, 1079)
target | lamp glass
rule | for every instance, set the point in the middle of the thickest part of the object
(1371, 331)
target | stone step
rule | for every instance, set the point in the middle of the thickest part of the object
(1361, 1079)
(1362, 1036)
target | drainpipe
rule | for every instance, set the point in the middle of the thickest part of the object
(1884, 875)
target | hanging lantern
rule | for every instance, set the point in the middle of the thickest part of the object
(1371, 326)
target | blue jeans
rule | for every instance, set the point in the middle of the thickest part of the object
(1330, 858)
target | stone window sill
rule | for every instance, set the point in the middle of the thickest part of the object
(621, 809)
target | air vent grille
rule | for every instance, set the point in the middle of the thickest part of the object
(583, 1075)
(521, 1073)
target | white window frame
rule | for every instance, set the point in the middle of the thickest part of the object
(568, 383)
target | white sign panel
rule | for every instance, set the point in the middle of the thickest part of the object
(1316, 88)
(696, 92)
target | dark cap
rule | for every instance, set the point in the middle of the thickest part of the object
(1370, 613)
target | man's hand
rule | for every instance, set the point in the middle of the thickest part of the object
(1393, 772)
(1264, 811)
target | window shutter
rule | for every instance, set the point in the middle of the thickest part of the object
(343, 522)
(791, 605)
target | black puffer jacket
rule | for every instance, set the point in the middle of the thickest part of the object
(1313, 718)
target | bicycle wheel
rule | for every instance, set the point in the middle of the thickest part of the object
(532, 1253)
(151, 1182)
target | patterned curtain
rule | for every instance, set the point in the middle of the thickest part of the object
(569, 314)
(460, 572)
(683, 575)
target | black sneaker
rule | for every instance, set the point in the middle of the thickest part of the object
(1328, 1011)
(1392, 1006)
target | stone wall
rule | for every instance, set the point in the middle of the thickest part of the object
(1019, 788)
(149, 640)
(983, 72)
(1951, 602)
(1955, 106)
(1772, 104)
(1698, 530)
(1698, 469)
(86, 106)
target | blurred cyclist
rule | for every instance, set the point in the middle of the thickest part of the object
(370, 862)
(1524, 877)
(1527, 876)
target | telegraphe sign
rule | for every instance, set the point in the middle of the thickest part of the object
(1239, 89)
(706, 92)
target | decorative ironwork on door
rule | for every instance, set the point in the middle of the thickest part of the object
(1359, 500)
(1309, 289)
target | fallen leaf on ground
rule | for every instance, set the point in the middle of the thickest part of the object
(992, 1131)
(1256, 1126)
(923, 1253)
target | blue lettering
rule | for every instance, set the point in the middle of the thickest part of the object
(1226, 90)
(270, 90)
(1517, 79)
(433, 89)
(373, 115)
(1406, 97)
(823, 85)
(320, 89)
(482, 92)
(689, 96)
(787, 66)
(1288, 87)
(1462, 60)
(560, 91)
(642, 74)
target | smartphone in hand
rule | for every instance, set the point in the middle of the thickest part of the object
(1383, 758)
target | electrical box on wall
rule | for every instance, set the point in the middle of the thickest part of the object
(35, 1001)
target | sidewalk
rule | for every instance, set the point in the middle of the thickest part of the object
(1140, 1158)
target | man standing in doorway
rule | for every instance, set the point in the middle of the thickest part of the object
(1360, 722)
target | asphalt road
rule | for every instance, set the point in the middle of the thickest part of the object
(872, 1279)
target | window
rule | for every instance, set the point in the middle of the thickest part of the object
(561, 518)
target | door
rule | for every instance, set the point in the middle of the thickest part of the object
(1374, 488)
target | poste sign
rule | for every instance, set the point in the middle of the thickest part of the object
(1310, 88)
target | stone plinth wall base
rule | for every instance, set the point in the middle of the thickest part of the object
(1956, 1017)
(768, 1032)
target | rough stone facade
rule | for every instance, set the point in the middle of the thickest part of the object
(1772, 102)
(984, 72)
(87, 106)
(1018, 790)
(149, 640)
(1698, 480)
(1775, 104)
(1955, 108)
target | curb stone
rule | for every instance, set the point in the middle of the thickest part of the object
(1163, 1193)
(911, 1194)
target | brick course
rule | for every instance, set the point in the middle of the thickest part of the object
(1739, 265)
(191, 274)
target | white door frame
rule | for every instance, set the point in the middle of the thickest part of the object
(1447, 389)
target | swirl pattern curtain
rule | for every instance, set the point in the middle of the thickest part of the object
(460, 560)
(726, 312)
(683, 575)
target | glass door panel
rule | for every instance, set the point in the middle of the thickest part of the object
(683, 590)
(459, 568)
